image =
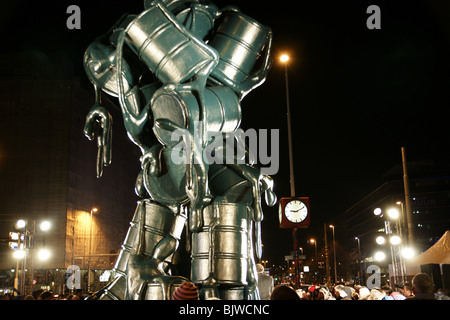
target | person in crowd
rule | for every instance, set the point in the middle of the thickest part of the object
(442, 294)
(46, 295)
(406, 289)
(265, 283)
(78, 295)
(284, 292)
(422, 287)
(187, 291)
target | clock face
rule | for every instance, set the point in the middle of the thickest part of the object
(296, 211)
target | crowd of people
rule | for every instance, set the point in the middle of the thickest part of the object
(45, 295)
(420, 288)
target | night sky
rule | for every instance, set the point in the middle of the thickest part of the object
(357, 95)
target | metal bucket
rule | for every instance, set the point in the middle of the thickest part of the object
(162, 288)
(166, 47)
(239, 41)
(221, 246)
(198, 17)
(150, 224)
(222, 111)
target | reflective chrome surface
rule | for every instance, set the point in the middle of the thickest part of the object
(202, 62)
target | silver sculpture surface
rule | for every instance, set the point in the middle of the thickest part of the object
(184, 66)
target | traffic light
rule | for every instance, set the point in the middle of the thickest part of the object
(17, 242)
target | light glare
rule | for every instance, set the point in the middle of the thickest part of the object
(43, 254)
(380, 240)
(19, 254)
(284, 58)
(20, 224)
(393, 213)
(408, 253)
(395, 240)
(380, 256)
(45, 225)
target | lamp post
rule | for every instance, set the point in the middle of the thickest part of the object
(90, 253)
(359, 258)
(315, 244)
(398, 269)
(334, 249)
(284, 59)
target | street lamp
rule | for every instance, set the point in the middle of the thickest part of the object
(20, 224)
(380, 240)
(43, 254)
(93, 210)
(408, 253)
(393, 213)
(334, 249)
(315, 244)
(398, 266)
(45, 225)
(380, 256)
(284, 60)
(359, 257)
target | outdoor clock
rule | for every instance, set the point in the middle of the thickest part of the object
(294, 212)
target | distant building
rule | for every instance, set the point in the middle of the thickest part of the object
(47, 169)
(429, 183)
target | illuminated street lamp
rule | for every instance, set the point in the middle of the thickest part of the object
(407, 253)
(398, 266)
(284, 60)
(45, 225)
(380, 256)
(393, 213)
(18, 254)
(43, 254)
(20, 224)
(380, 240)
(315, 244)
(395, 240)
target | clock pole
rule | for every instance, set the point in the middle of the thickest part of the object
(284, 59)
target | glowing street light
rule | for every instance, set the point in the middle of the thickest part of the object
(19, 254)
(393, 213)
(20, 224)
(380, 256)
(408, 253)
(43, 254)
(380, 240)
(315, 244)
(284, 58)
(395, 240)
(45, 225)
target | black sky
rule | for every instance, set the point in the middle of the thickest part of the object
(357, 95)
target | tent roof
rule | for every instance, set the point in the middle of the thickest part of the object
(438, 253)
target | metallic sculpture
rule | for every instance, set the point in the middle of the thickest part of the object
(183, 66)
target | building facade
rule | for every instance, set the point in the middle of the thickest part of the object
(47, 171)
(429, 183)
